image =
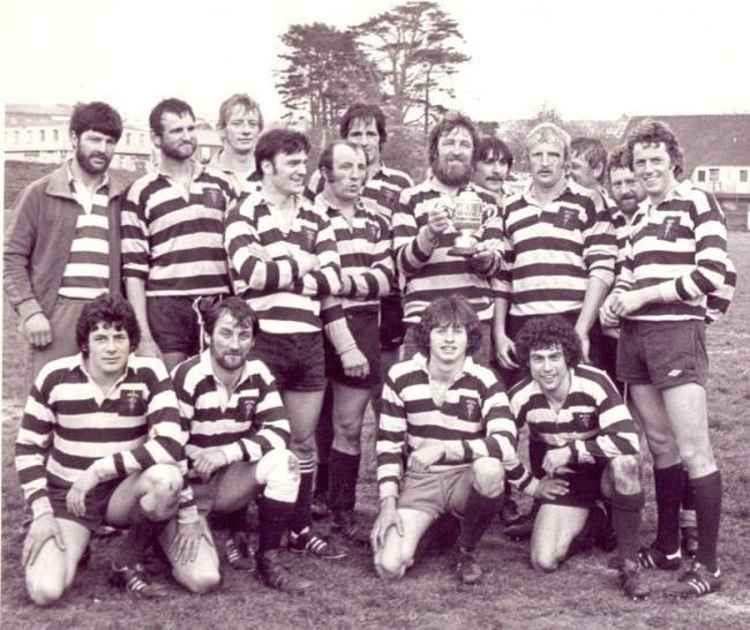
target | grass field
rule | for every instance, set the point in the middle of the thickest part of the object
(584, 594)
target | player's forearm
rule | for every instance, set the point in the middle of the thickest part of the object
(135, 288)
(596, 292)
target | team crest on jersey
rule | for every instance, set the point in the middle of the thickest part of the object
(132, 403)
(213, 198)
(668, 229)
(470, 407)
(566, 218)
(584, 419)
(373, 232)
(247, 409)
(308, 237)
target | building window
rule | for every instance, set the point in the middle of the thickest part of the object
(16, 137)
(713, 174)
(127, 139)
(56, 135)
(42, 135)
(701, 176)
(743, 175)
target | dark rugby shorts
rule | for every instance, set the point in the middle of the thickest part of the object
(364, 328)
(663, 354)
(392, 327)
(584, 483)
(174, 323)
(97, 501)
(296, 361)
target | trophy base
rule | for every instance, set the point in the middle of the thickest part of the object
(464, 252)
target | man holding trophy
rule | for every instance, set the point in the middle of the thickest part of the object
(446, 235)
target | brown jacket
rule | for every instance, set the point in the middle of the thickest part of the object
(38, 244)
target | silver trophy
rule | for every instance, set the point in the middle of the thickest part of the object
(466, 219)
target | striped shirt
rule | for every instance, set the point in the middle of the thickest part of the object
(86, 274)
(364, 248)
(380, 193)
(429, 276)
(172, 243)
(69, 424)
(245, 423)
(264, 271)
(553, 250)
(475, 415)
(594, 420)
(244, 183)
(679, 246)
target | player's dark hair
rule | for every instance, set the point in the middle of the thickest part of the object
(618, 159)
(212, 310)
(364, 112)
(593, 151)
(546, 332)
(444, 312)
(114, 311)
(276, 141)
(492, 148)
(167, 106)
(325, 163)
(247, 103)
(656, 132)
(448, 123)
(96, 116)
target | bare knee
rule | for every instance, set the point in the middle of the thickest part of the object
(489, 476)
(626, 474)
(391, 566)
(347, 432)
(163, 484)
(45, 589)
(544, 560)
(199, 582)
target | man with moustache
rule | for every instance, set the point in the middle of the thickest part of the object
(240, 123)
(560, 251)
(493, 167)
(63, 246)
(172, 237)
(423, 234)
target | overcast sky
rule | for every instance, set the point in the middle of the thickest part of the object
(587, 58)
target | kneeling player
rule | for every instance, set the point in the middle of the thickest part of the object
(588, 439)
(99, 442)
(451, 418)
(239, 433)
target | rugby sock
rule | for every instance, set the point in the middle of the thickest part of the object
(478, 515)
(626, 520)
(322, 477)
(274, 519)
(668, 490)
(139, 538)
(343, 481)
(301, 518)
(687, 511)
(323, 442)
(707, 492)
(235, 521)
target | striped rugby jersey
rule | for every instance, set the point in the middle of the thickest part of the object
(680, 246)
(552, 251)
(86, 274)
(475, 414)
(285, 302)
(429, 276)
(69, 424)
(380, 192)
(594, 420)
(245, 425)
(243, 185)
(366, 255)
(175, 244)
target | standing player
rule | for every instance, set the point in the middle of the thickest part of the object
(363, 240)
(63, 247)
(589, 441)
(423, 234)
(283, 261)
(172, 227)
(493, 167)
(676, 255)
(365, 125)
(99, 442)
(237, 445)
(240, 123)
(446, 442)
(560, 251)
(588, 166)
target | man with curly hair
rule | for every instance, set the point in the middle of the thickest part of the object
(445, 445)
(586, 439)
(675, 257)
